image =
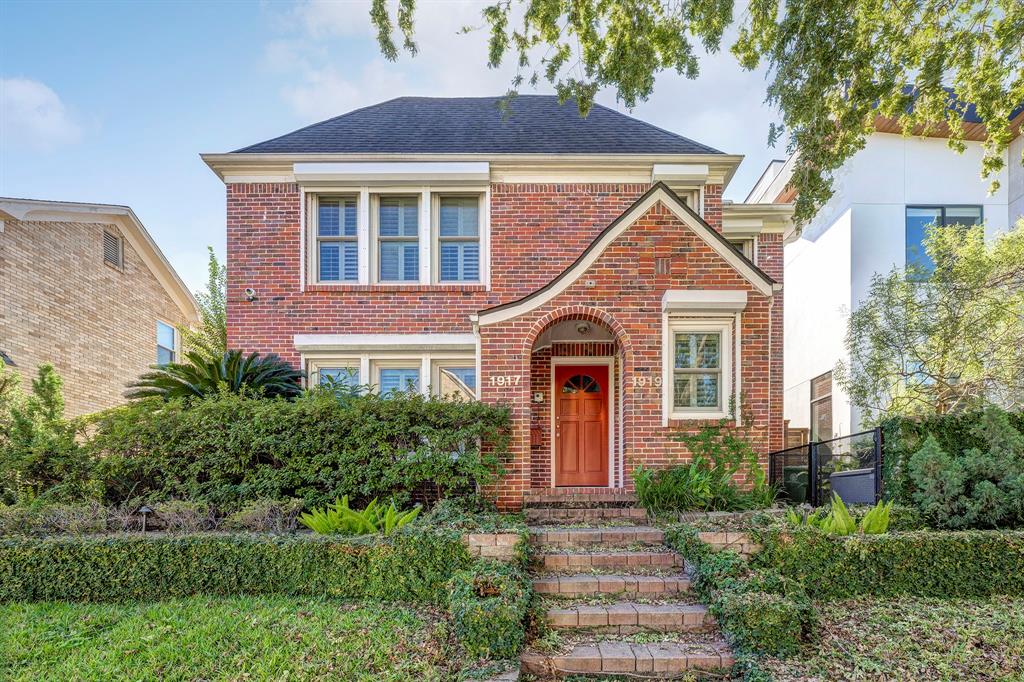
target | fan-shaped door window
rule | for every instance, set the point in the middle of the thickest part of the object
(581, 383)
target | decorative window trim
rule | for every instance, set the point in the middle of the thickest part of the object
(436, 239)
(709, 325)
(370, 362)
(315, 239)
(366, 212)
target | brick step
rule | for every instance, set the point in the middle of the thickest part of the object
(629, 617)
(584, 584)
(610, 535)
(607, 559)
(586, 515)
(564, 499)
(652, 660)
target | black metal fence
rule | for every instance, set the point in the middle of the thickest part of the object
(850, 466)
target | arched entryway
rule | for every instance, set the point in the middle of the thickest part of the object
(576, 362)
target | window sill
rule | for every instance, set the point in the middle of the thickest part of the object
(392, 288)
(698, 416)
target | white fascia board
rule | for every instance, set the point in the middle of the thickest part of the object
(694, 174)
(384, 342)
(594, 251)
(703, 300)
(364, 173)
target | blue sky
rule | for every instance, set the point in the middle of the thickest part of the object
(112, 102)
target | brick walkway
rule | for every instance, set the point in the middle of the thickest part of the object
(604, 580)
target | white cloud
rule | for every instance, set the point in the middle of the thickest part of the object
(335, 66)
(32, 115)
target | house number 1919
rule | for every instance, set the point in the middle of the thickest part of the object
(643, 382)
(505, 380)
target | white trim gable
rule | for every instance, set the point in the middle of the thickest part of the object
(567, 278)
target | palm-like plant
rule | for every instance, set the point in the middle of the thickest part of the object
(202, 376)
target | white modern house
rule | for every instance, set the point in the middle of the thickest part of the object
(884, 198)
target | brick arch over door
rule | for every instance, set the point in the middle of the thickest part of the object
(541, 453)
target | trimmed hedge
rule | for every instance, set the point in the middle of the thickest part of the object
(226, 450)
(413, 566)
(760, 611)
(488, 604)
(942, 564)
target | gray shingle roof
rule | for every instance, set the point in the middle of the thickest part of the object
(536, 124)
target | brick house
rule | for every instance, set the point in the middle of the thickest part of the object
(85, 288)
(533, 258)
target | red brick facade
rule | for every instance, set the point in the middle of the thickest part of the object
(536, 232)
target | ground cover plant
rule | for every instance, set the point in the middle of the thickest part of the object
(203, 638)
(910, 638)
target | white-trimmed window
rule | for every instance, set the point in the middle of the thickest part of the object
(744, 246)
(336, 234)
(397, 233)
(391, 376)
(343, 371)
(166, 343)
(454, 378)
(457, 232)
(697, 369)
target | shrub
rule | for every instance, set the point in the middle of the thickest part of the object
(233, 372)
(473, 514)
(981, 488)
(721, 455)
(760, 611)
(954, 433)
(265, 515)
(838, 520)
(488, 604)
(227, 450)
(924, 563)
(411, 566)
(182, 516)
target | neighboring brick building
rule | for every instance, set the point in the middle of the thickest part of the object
(537, 259)
(85, 288)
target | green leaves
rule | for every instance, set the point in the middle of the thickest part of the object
(488, 604)
(839, 521)
(201, 376)
(833, 65)
(942, 342)
(340, 519)
(210, 338)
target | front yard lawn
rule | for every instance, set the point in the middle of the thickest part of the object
(270, 638)
(912, 639)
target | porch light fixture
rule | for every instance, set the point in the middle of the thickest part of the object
(583, 328)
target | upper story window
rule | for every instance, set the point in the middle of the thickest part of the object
(919, 218)
(390, 236)
(337, 247)
(398, 239)
(113, 250)
(458, 238)
(166, 343)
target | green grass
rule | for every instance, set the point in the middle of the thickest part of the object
(221, 639)
(912, 639)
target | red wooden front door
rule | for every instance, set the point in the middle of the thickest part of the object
(581, 425)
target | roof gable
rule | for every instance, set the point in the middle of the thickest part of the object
(532, 124)
(660, 192)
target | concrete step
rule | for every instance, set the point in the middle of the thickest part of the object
(571, 499)
(607, 559)
(556, 515)
(609, 535)
(652, 660)
(585, 584)
(628, 617)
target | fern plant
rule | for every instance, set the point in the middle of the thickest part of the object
(340, 519)
(839, 521)
(202, 376)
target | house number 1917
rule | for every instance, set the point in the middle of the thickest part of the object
(505, 380)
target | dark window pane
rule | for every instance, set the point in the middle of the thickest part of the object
(918, 221)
